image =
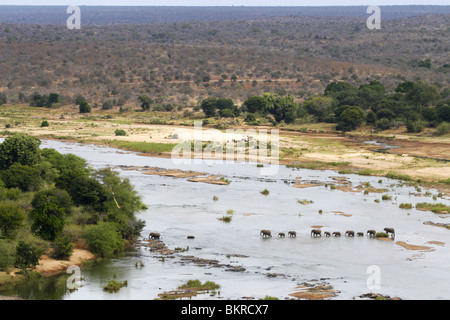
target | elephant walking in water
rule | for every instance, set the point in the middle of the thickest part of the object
(292, 234)
(154, 235)
(336, 234)
(371, 233)
(390, 231)
(350, 233)
(265, 233)
(316, 233)
(281, 235)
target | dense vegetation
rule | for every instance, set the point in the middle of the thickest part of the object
(50, 202)
(414, 104)
(178, 65)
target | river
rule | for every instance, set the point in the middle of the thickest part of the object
(275, 266)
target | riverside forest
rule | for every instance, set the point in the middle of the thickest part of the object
(89, 118)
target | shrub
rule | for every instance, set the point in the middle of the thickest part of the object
(19, 148)
(120, 132)
(62, 247)
(23, 177)
(405, 206)
(443, 129)
(265, 192)
(27, 255)
(7, 258)
(11, 218)
(114, 285)
(57, 196)
(44, 123)
(85, 107)
(381, 235)
(47, 220)
(104, 239)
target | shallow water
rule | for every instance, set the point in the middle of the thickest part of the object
(178, 208)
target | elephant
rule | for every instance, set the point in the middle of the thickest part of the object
(336, 234)
(316, 232)
(371, 233)
(360, 234)
(281, 235)
(350, 233)
(327, 234)
(190, 237)
(154, 235)
(292, 234)
(390, 230)
(265, 233)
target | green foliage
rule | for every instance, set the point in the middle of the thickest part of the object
(443, 129)
(350, 119)
(120, 132)
(44, 123)
(84, 107)
(47, 220)
(104, 239)
(19, 148)
(45, 101)
(321, 107)
(62, 247)
(56, 196)
(7, 257)
(22, 176)
(114, 285)
(255, 104)
(146, 102)
(11, 218)
(27, 254)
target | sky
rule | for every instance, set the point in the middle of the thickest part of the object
(224, 2)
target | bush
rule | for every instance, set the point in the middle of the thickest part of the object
(47, 220)
(443, 129)
(62, 247)
(23, 177)
(27, 255)
(384, 124)
(104, 239)
(85, 107)
(120, 132)
(7, 258)
(57, 196)
(11, 218)
(44, 123)
(19, 148)
(414, 126)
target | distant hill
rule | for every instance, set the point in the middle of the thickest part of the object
(113, 15)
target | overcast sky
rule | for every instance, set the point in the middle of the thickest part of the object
(223, 2)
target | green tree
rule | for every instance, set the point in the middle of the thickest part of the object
(104, 239)
(146, 102)
(27, 255)
(320, 106)
(11, 218)
(19, 148)
(62, 247)
(85, 107)
(48, 220)
(256, 104)
(350, 119)
(423, 94)
(209, 106)
(23, 177)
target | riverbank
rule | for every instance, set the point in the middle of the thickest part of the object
(422, 158)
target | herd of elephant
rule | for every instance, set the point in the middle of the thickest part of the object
(318, 233)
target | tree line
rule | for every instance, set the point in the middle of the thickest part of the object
(414, 104)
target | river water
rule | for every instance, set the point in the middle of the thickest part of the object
(275, 266)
